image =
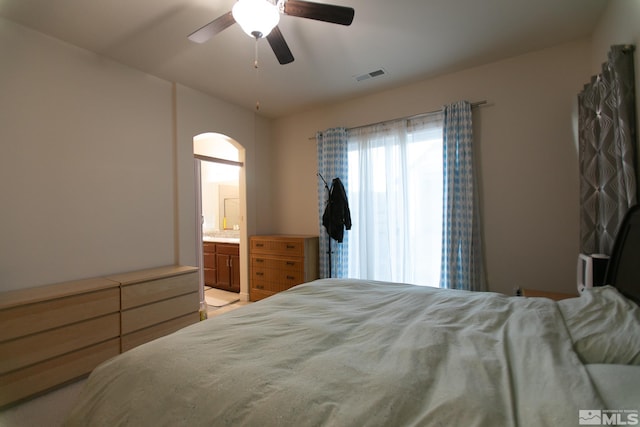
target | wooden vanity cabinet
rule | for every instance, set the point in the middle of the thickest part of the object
(228, 267)
(209, 257)
(222, 265)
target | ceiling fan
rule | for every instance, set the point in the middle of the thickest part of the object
(259, 18)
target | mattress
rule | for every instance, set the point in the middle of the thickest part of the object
(337, 352)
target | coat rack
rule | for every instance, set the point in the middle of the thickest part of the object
(328, 202)
(336, 216)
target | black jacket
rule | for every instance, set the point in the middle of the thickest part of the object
(336, 215)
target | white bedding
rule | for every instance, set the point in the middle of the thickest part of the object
(604, 326)
(353, 353)
(619, 385)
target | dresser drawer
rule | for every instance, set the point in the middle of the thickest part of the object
(41, 316)
(274, 288)
(292, 264)
(258, 294)
(50, 373)
(156, 290)
(228, 249)
(142, 336)
(281, 279)
(264, 285)
(278, 247)
(162, 311)
(264, 274)
(291, 278)
(42, 346)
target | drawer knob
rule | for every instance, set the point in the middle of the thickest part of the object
(259, 273)
(290, 277)
(291, 247)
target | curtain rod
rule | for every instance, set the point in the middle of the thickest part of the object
(415, 116)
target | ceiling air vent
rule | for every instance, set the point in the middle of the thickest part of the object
(370, 75)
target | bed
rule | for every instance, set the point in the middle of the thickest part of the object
(338, 352)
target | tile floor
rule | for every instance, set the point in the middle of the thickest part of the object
(215, 311)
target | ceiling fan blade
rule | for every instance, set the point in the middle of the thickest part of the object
(279, 46)
(321, 12)
(212, 28)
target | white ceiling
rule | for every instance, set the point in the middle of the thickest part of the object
(409, 39)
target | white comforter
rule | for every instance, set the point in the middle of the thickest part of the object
(352, 353)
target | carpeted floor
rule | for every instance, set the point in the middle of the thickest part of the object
(48, 410)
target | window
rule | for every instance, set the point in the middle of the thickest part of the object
(395, 197)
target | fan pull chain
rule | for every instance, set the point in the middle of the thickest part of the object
(257, 68)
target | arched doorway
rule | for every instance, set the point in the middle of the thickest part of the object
(220, 205)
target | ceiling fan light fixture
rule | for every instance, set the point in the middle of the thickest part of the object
(256, 17)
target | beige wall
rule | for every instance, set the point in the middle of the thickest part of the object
(526, 156)
(96, 163)
(86, 157)
(199, 113)
(96, 168)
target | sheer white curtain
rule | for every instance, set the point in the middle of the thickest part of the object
(395, 196)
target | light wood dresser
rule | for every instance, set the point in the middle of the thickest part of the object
(156, 302)
(279, 262)
(53, 334)
(56, 333)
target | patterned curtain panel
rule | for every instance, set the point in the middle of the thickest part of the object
(462, 260)
(332, 163)
(607, 151)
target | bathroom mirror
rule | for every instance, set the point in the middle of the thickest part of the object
(231, 213)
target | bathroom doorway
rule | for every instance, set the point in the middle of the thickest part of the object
(221, 232)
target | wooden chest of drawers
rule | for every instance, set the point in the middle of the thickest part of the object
(56, 333)
(278, 262)
(156, 302)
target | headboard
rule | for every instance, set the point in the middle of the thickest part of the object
(623, 270)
